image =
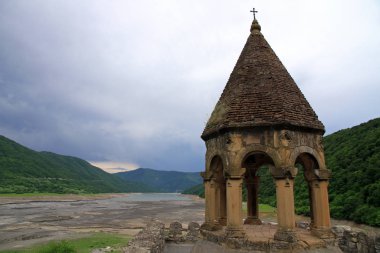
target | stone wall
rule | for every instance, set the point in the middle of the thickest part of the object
(356, 241)
(150, 240)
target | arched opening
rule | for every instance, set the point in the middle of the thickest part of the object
(255, 164)
(217, 169)
(306, 163)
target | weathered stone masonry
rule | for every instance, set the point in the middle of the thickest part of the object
(262, 118)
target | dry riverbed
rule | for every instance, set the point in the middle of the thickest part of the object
(28, 220)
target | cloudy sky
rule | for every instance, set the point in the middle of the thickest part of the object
(129, 84)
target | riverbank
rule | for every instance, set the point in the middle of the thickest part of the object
(30, 197)
(28, 220)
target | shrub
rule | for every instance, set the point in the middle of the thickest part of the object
(58, 247)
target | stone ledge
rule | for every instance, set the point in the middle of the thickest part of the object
(353, 240)
(300, 243)
(152, 239)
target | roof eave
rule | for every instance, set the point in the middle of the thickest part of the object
(209, 134)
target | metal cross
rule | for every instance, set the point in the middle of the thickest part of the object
(254, 11)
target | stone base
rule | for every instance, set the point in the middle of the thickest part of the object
(235, 232)
(222, 221)
(211, 226)
(286, 236)
(253, 221)
(323, 233)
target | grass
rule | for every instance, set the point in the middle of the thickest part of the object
(263, 208)
(82, 245)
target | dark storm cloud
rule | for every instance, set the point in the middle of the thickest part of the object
(133, 83)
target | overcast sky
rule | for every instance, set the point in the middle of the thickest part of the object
(132, 83)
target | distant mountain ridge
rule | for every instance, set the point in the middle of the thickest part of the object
(25, 170)
(162, 181)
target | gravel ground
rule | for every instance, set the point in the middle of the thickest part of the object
(29, 220)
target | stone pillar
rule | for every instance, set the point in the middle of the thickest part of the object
(234, 207)
(309, 186)
(321, 210)
(217, 200)
(213, 202)
(222, 204)
(207, 222)
(253, 201)
(285, 210)
(210, 208)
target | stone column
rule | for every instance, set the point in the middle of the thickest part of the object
(285, 210)
(213, 215)
(309, 186)
(321, 210)
(222, 204)
(252, 201)
(207, 222)
(210, 208)
(234, 207)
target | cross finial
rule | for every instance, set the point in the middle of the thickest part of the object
(254, 12)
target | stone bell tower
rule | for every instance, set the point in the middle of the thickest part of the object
(263, 119)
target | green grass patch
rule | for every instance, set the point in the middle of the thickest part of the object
(82, 245)
(263, 208)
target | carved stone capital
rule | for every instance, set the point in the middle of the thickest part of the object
(284, 172)
(206, 176)
(323, 174)
(235, 174)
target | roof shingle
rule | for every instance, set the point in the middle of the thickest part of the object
(260, 92)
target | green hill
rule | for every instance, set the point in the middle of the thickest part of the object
(198, 190)
(24, 170)
(163, 181)
(353, 156)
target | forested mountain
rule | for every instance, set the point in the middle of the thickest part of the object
(353, 156)
(25, 170)
(163, 181)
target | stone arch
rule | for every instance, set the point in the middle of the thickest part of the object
(211, 157)
(252, 161)
(216, 164)
(273, 154)
(310, 151)
(311, 167)
(216, 168)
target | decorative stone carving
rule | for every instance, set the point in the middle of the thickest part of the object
(285, 138)
(284, 172)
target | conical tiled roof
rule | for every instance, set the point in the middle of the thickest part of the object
(260, 92)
